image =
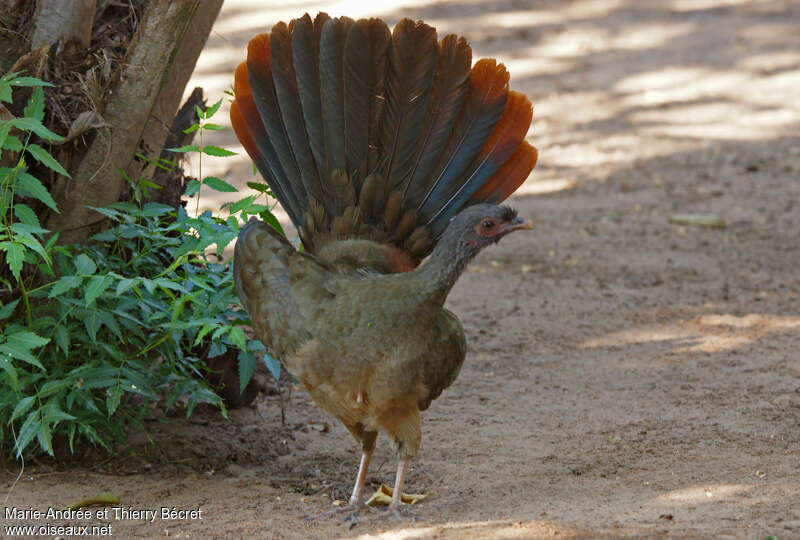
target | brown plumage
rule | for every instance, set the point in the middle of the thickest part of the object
(382, 151)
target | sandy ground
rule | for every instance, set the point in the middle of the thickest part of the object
(626, 376)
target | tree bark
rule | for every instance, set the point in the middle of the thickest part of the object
(65, 21)
(160, 124)
(159, 63)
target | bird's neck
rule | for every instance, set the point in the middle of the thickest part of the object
(442, 269)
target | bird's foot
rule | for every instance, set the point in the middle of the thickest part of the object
(351, 510)
(398, 514)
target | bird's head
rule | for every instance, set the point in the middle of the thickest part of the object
(480, 225)
(470, 231)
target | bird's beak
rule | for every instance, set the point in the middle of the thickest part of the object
(516, 225)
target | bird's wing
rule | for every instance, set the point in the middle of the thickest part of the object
(280, 287)
(443, 361)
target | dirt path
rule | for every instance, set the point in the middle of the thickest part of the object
(626, 376)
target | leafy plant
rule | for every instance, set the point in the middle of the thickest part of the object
(95, 338)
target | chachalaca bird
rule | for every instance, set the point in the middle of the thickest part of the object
(384, 148)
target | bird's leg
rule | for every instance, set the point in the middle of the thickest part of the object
(361, 479)
(394, 507)
(368, 439)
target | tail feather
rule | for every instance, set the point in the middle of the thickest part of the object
(364, 72)
(363, 133)
(506, 136)
(251, 132)
(509, 177)
(259, 76)
(412, 64)
(331, 75)
(447, 96)
(305, 58)
(286, 90)
(485, 101)
(249, 143)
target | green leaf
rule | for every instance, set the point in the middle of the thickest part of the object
(96, 286)
(30, 186)
(28, 231)
(270, 219)
(27, 432)
(62, 338)
(192, 128)
(11, 373)
(5, 128)
(63, 284)
(183, 149)
(247, 365)
(22, 407)
(25, 215)
(110, 322)
(34, 125)
(212, 150)
(214, 127)
(236, 335)
(92, 324)
(25, 339)
(13, 144)
(218, 185)
(45, 438)
(211, 111)
(241, 204)
(192, 187)
(204, 330)
(255, 209)
(31, 242)
(113, 397)
(52, 413)
(29, 81)
(273, 365)
(258, 186)
(52, 387)
(108, 212)
(44, 157)
(15, 252)
(124, 285)
(21, 354)
(84, 265)
(35, 106)
(8, 309)
(255, 345)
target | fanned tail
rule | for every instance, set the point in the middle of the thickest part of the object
(366, 134)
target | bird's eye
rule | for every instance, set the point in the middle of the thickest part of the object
(487, 224)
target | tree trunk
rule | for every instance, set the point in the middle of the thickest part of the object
(65, 21)
(160, 60)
